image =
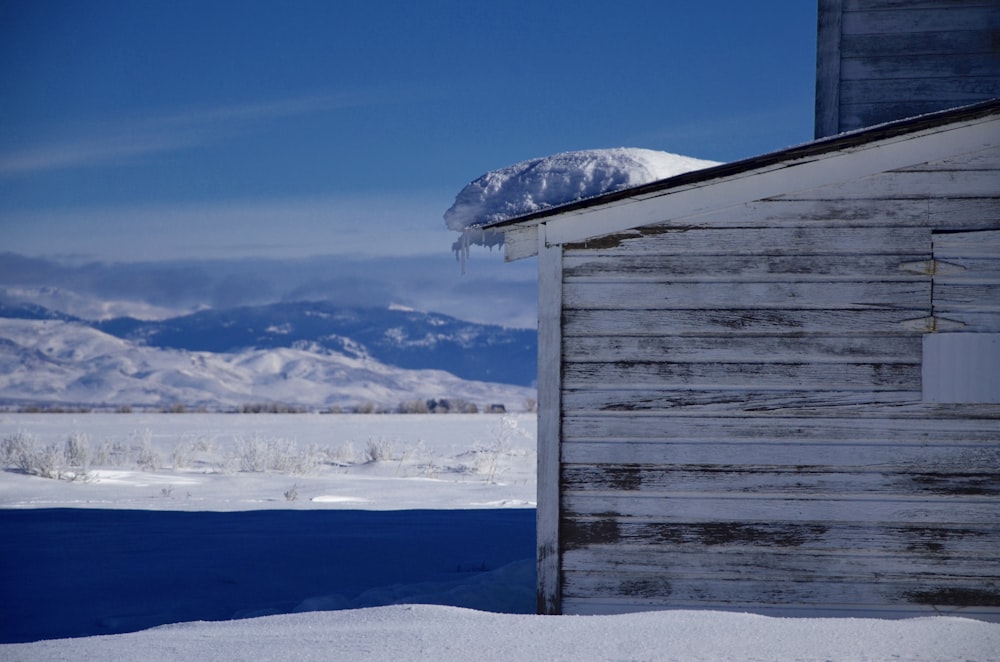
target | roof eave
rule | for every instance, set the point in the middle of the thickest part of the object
(796, 153)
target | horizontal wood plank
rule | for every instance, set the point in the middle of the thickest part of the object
(866, 322)
(868, 114)
(756, 402)
(734, 562)
(965, 297)
(967, 270)
(689, 402)
(950, 455)
(744, 349)
(984, 159)
(982, 243)
(890, 5)
(651, 479)
(927, 19)
(939, 42)
(787, 376)
(983, 65)
(794, 590)
(937, 92)
(911, 184)
(969, 321)
(819, 209)
(661, 427)
(797, 242)
(615, 295)
(721, 507)
(940, 541)
(760, 267)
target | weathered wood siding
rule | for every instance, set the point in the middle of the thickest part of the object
(742, 420)
(880, 60)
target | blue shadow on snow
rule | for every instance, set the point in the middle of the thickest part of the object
(76, 572)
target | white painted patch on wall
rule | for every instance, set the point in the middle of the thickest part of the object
(961, 367)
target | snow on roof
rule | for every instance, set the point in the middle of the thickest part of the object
(537, 184)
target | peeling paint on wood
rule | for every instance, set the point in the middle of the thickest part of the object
(956, 597)
(740, 419)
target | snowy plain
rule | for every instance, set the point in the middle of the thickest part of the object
(337, 537)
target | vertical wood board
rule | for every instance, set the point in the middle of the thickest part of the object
(549, 424)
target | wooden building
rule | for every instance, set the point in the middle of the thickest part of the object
(882, 60)
(734, 364)
(774, 385)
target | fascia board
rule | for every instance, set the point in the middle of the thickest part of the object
(777, 179)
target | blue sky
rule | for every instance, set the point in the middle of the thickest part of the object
(182, 129)
(247, 151)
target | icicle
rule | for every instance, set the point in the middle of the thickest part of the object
(474, 235)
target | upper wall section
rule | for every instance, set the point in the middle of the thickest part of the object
(883, 60)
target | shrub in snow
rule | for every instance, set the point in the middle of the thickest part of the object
(252, 453)
(412, 407)
(378, 450)
(257, 454)
(23, 452)
(13, 447)
(146, 457)
(112, 453)
(181, 457)
(507, 430)
(77, 450)
(452, 406)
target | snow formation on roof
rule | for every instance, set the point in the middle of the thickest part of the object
(550, 181)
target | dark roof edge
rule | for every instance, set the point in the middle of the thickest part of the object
(805, 150)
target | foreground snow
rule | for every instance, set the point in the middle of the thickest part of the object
(229, 567)
(425, 632)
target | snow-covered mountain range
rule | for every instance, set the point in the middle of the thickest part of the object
(308, 354)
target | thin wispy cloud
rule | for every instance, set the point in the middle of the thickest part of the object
(391, 223)
(123, 143)
(110, 148)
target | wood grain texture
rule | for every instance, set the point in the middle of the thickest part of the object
(774, 294)
(910, 18)
(890, 59)
(737, 321)
(740, 421)
(549, 437)
(817, 350)
(828, 40)
(820, 240)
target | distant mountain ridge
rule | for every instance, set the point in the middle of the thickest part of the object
(312, 355)
(399, 337)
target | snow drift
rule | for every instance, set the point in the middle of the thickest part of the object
(538, 184)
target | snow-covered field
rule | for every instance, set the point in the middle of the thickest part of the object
(332, 537)
(237, 462)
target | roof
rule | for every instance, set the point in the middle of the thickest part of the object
(897, 132)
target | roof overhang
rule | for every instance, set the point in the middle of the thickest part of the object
(833, 160)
